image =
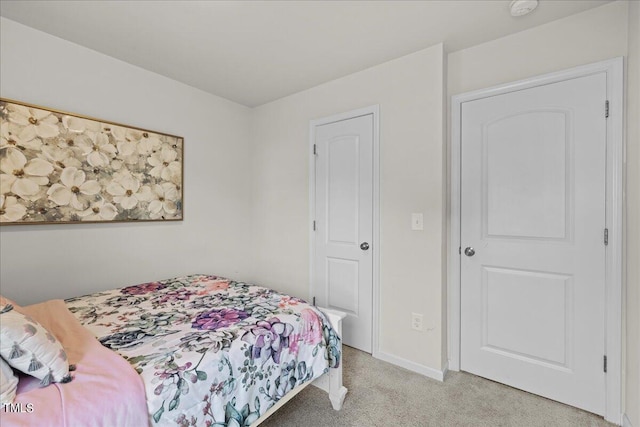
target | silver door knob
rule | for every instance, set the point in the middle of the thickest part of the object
(469, 251)
(364, 246)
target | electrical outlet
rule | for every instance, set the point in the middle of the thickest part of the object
(417, 221)
(416, 321)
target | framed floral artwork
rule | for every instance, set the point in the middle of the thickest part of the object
(60, 168)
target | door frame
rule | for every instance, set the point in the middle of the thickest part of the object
(374, 110)
(614, 69)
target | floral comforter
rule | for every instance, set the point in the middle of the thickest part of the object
(211, 351)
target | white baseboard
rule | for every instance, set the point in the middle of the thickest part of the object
(412, 366)
(626, 422)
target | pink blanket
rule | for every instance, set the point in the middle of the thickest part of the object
(105, 391)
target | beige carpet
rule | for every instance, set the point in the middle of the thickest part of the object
(381, 394)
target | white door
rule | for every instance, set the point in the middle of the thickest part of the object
(343, 264)
(533, 210)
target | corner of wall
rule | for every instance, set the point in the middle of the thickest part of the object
(632, 270)
(625, 421)
(446, 196)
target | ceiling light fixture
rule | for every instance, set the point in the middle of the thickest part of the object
(522, 7)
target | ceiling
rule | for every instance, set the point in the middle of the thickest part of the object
(253, 52)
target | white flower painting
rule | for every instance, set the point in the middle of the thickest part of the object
(58, 167)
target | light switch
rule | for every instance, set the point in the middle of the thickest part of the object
(417, 221)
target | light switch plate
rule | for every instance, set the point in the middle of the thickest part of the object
(417, 221)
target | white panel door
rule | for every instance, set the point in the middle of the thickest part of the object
(343, 265)
(533, 211)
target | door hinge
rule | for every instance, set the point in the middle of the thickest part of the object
(459, 250)
(605, 362)
(606, 236)
(314, 226)
(606, 109)
(315, 152)
(314, 301)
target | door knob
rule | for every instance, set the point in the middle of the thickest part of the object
(364, 246)
(469, 251)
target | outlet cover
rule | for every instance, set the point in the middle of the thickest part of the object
(417, 221)
(416, 321)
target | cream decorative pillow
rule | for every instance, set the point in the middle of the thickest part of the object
(29, 347)
(8, 383)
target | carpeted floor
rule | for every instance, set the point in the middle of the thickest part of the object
(381, 394)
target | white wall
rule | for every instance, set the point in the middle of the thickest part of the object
(40, 262)
(411, 170)
(409, 91)
(632, 395)
(590, 36)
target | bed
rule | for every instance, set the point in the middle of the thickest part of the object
(199, 350)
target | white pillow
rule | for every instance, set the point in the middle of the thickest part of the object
(8, 383)
(29, 347)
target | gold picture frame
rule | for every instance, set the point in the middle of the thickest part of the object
(64, 168)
